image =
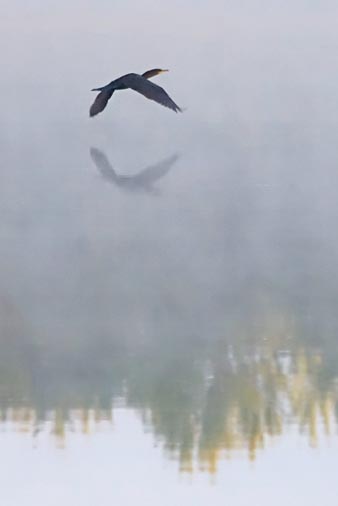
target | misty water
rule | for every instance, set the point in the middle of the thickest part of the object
(169, 282)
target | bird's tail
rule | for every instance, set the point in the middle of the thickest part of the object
(97, 89)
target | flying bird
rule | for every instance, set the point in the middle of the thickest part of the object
(136, 82)
(143, 180)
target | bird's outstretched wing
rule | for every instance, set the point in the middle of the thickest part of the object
(150, 90)
(103, 164)
(100, 102)
(154, 172)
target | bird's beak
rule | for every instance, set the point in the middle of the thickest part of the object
(165, 70)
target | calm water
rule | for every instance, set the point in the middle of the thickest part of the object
(169, 283)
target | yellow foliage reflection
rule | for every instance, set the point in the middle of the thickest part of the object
(202, 401)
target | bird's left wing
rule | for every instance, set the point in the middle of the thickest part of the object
(150, 90)
(100, 102)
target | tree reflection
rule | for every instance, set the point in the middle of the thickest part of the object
(203, 399)
(211, 313)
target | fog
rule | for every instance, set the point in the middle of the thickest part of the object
(183, 266)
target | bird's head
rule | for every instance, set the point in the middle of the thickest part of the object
(154, 72)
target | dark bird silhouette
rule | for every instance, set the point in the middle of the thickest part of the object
(143, 180)
(136, 82)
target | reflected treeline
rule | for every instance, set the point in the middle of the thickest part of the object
(213, 316)
(204, 399)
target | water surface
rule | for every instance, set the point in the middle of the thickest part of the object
(168, 297)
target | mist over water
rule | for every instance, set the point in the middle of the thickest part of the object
(169, 282)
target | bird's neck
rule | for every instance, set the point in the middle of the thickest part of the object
(151, 73)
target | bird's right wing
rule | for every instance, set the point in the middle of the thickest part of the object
(103, 165)
(150, 90)
(100, 102)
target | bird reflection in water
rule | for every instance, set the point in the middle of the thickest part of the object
(142, 181)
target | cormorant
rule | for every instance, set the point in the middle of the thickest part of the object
(137, 83)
